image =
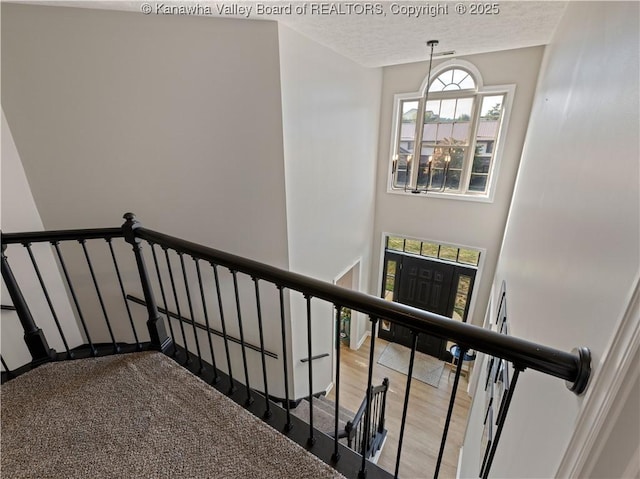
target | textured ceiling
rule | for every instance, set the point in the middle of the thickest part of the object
(392, 39)
(395, 34)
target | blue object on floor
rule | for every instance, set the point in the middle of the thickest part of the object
(455, 352)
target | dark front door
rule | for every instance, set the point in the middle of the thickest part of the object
(436, 286)
(424, 284)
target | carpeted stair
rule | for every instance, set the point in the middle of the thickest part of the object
(324, 415)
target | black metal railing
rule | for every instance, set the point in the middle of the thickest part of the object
(368, 444)
(177, 275)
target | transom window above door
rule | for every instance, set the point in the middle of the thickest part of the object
(447, 138)
(465, 256)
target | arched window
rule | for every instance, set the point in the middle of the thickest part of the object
(447, 138)
(453, 79)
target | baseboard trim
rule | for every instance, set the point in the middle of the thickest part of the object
(460, 459)
(606, 394)
(363, 338)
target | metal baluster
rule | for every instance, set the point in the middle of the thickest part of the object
(363, 470)
(216, 378)
(311, 441)
(164, 298)
(501, 420)
(336, 455)
(283, 324)
(463, 351)
(48, 298)
(6, 368)
(232, 387)
(56, 245)
(193, 318)
(83, 242)
(414, 345)
(242, 345)
(267, 412)
(372, 420)
(124, 294)
(175, 297)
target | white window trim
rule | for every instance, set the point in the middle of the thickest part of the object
(509, 92)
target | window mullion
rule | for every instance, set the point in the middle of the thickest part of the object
(417, 148)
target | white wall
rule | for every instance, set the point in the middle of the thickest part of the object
(175, 118)
(570, 253)
(330, 111)
(19, 213)
(463, 223)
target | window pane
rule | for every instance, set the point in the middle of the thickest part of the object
(445, 170)
(457, 158)
(462, 296)
(402, 170)
(430, 249)
(463, 109)
(390, 280)
(448, 252)
(453, 179)
(453, 79)
(412, 246)
(441, 156)
(488, 127)
(459, 75)
(437, 85)
(460, 132)
(478, 183)
(406, 143)
(395, 243)
(447, 121)
(469, 256)
(491, 107)
(481, 164)
(445, 131)
(408, 124)
(423, 171)
(429, 132)
(432, 111)
(437, 177)
(467, 83)
(447, 110)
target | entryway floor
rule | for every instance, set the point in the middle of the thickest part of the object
(425, 417)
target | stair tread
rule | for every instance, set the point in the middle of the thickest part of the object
(330, 406)
(323, 415)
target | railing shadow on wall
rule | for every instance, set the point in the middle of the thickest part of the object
(201, 318)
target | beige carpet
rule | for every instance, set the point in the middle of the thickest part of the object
(138, 415)
(425, 368)
(324, 415)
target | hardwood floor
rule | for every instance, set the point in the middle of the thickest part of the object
(425, 417)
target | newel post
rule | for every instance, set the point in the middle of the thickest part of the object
(157, 331)
(33, 335)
